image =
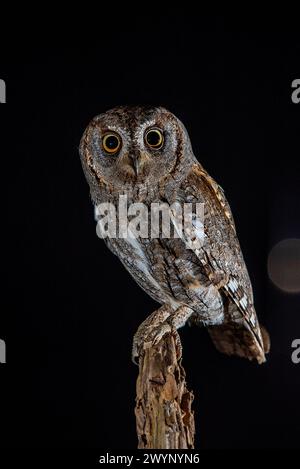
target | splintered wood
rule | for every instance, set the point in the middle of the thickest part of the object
(164, 418)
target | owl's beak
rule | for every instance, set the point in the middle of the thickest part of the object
(136, 165)
(139, 160)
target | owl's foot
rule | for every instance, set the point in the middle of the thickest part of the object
(151, 337)
(146, 331)
(153, 329)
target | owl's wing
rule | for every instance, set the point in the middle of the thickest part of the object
(222, 261)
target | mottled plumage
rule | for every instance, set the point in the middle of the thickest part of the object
(207, 285)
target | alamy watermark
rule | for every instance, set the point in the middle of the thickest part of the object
(2, 91)
(157, 220)
(296, 93)
(296, 353)
(2, 351)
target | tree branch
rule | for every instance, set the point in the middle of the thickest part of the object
(164, 419)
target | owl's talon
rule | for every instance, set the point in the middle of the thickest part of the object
(136, 353)
(135, 359)
(152, 337)
(178, 344)
(159, 333)
(149, 337)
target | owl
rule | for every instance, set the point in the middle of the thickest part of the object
(145, 154)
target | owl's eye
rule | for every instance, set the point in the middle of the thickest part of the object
(154, 138)
(111, 143)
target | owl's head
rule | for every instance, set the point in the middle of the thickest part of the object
(131, 146)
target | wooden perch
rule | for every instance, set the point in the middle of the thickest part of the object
(164, 419)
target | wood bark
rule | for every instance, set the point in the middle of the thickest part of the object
(164, 419)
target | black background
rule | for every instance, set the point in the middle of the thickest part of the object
(69, 309)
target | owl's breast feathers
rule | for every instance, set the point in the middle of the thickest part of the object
(212, 280)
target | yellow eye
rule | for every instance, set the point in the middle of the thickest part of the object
(154, 138)
(111, 143)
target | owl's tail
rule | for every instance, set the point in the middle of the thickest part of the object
(235, 339)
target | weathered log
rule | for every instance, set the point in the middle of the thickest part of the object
(164, 419)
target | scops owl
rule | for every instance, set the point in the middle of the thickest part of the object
(146, 154)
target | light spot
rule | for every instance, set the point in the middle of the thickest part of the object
(284, 265)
